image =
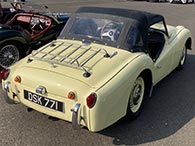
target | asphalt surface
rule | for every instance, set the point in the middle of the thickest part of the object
(168, 118)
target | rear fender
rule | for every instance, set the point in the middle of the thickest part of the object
(113, 97)
(13, 35)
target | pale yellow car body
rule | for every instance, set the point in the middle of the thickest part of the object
(112, 79)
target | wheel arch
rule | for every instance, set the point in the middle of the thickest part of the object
(188, 43)
(148, 79)
(13, 35)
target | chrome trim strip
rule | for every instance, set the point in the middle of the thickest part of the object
(75, 122)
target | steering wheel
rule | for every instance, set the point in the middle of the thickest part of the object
(35, 23)
(110, 31)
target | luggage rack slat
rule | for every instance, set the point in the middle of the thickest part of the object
(54, 56)
(69, 54)
(70, 63)
(45, 54)
(80, 55)
(37, 51)
(90, 57)
(60, 63)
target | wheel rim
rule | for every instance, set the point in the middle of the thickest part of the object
(171, 1)
(137, 95)
(183, 58)
(184, 1)
(9, 55)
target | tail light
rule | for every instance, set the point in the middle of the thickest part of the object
(17, 79)
(4, 74)
(91, 100)
(71, 95)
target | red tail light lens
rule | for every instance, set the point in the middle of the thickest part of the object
(91, 100)
(4, 74)
(71, 95)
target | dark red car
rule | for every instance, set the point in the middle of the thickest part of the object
(25, 30)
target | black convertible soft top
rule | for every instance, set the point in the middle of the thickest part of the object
(137, 23)
(145, 18)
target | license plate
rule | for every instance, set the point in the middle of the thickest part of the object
(44, 101)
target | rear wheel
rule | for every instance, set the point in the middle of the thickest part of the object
(9, 54)
(136, 98)
(183, 59)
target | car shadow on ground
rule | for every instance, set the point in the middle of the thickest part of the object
(163, 114)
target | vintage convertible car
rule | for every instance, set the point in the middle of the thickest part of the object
(27, 31)
(101, 68)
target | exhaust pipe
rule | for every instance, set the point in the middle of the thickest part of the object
(29, 109)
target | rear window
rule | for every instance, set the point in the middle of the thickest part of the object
(99, 28)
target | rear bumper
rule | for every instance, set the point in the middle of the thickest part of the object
(76, 110)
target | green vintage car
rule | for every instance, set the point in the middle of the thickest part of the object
(101, 67)
(27, 31)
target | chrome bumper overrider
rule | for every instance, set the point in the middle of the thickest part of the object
(75, 116)
(6, 86)
(6, 91)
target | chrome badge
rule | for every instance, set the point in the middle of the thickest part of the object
(41, 90)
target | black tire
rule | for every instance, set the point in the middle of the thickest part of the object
(154, 1)
(10, 53)
(136, 98)
(183, 59)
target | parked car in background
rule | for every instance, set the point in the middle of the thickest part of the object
(182, 1)
(157, 0)
(27, 31)
(8, 10)
(102, 66)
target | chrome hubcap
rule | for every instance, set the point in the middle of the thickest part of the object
(137, 95)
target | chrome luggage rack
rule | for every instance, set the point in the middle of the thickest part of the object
(50, 57)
